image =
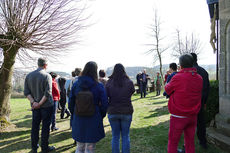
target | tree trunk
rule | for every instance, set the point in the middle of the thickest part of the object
(162, 77)
(6, 73)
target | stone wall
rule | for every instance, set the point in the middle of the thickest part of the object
(224, 54)
(220, 134)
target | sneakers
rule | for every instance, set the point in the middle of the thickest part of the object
(50, 148)
(54, 129)
(35, 150)
(180, 151)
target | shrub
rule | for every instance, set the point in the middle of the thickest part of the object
(212, 105)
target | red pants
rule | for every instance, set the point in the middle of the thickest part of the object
(177, 126)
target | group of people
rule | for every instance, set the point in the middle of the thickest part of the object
(90, 97)
(142, 83)
(187, 90)
(112, 96)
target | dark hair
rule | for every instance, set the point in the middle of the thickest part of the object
(173, 66)
(194, 57)
(73, 73)
(118, 75)
(42, 62)
(77, 71)
(90, 70)
(102, 73)
(186, 60)
(53, 75)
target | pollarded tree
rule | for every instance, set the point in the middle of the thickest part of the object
(190, 44)
(157, 45)
(45, 27)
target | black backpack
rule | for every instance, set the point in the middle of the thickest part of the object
(84, 105)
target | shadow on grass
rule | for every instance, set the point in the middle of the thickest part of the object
(27, 123)
(15, 144)
(158, 112)
(156, 103)
(150, 139)
(64, 148)
(155, 97)
(8, 135)
(135, 99)
(58, 120)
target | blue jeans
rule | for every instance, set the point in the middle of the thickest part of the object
(120, 124)
(54, 112)
(38, 115)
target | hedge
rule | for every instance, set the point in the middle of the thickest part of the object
(212, 105)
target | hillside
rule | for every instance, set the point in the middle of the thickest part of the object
(132, 71)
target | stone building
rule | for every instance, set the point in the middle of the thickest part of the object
(220, 135)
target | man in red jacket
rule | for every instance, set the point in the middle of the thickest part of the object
(185, 90)
(56, 98)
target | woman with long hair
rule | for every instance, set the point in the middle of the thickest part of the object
(119, 90)
(87, 130)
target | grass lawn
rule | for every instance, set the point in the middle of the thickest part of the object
(148, 133)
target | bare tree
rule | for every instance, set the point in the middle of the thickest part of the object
(45, 27)
(157, 47)
(190, 44)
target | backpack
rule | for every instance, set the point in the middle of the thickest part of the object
(84, 105)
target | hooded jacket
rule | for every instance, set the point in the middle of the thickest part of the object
(88, 129)
(185, 90)
(55, 91)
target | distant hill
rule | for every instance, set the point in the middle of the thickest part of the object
(19, 75)
(63, 74)
(133, 71)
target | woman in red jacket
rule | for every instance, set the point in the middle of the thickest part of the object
(56, 98)
(185, 90)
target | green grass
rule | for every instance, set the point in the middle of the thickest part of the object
(148, 133)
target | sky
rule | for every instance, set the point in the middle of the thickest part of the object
(120, 31)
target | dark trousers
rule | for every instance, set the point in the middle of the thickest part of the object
(201, 127)
(158, 92)
(143, 89)
(54, 112)
(64, 109)
(41, 115)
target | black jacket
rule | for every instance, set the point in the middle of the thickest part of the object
(205, 91)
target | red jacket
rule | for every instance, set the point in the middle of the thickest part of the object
(55, 91)
(185, 90)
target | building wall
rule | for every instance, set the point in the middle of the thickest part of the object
(224, 58)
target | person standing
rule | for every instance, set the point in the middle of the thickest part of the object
(56, 98)
(184, 103)
(88, 130)
(143, 83)
(201, 127)
(158, 83)
(166, 77)
(172, 71)
(102, 78)
(119, 89)
(38, 90)
(62, 101)
(138, 81)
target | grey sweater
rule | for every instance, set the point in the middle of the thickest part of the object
(38, 84)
